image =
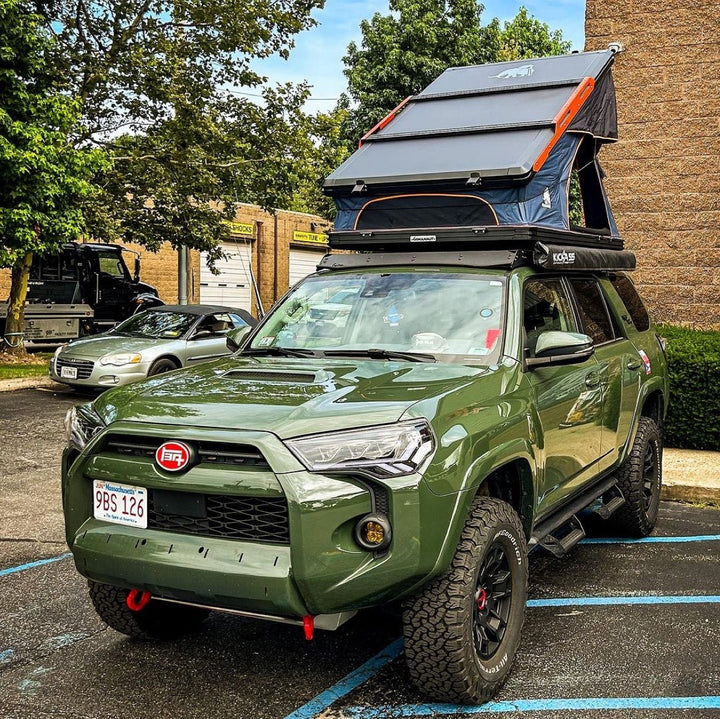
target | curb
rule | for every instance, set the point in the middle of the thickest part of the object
(11, 385)
(691, 493)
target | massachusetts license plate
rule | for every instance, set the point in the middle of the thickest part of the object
(120, 503)
(68, 372)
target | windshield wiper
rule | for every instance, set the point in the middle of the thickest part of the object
(282, 351)
(375, 353)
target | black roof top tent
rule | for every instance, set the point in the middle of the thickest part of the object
(484, 147)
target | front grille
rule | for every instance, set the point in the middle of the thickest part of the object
(84, 367)
(259, 519)
(224, 453)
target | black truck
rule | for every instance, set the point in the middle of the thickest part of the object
(83, 289)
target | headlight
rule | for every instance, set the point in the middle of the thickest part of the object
(120, 358)
(390, 450)
(81, 425)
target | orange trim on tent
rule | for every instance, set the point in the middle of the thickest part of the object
(385, 121)
(565, 117)
(423, 194)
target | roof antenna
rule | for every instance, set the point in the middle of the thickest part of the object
(616, 48)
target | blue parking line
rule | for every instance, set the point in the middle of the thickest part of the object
(632, 599)
(394, 650)
(348, 683)
(535, 705)
(651, 540)
(30, 565)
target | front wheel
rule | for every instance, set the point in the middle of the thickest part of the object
(463, 629)
(640, 479)
(164, 364)
(158, 620)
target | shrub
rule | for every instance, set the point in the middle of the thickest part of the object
(693, 420)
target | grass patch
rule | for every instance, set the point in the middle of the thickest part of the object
(34, 365)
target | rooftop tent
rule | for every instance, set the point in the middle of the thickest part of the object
(486, 145)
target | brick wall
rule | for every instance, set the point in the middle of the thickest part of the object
(663, 176)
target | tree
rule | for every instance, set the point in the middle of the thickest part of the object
(157, 80)
(403, 52)
(43, 179)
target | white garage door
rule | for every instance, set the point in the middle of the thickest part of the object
(303, 263)
(232, 286)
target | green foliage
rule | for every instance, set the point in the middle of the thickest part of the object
(694, 365)
(155, 81)
(401, 53)
(43, 179)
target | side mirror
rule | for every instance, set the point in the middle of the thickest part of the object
(559, 348)
(136, 271)
(234, 339)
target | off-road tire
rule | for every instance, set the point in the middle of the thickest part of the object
(440, 622)
(158, 620)
(640, 480)
(162, 365)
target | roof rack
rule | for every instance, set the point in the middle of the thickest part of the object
(451, 238)
(540, 255)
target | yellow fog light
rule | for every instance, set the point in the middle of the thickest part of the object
(373, 532)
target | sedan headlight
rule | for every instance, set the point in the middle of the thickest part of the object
(121, 358)
(389, 450)
(81, 424)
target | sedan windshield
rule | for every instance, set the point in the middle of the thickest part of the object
(424, 315)
(156, 325)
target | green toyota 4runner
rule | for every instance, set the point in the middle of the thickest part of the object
(397, 428)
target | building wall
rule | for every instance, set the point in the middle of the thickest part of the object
(663, 176)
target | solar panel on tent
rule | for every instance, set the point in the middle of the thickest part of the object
(496, 121)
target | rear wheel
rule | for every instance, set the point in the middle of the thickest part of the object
(640, 479)
(158, 620)
(164, 364)
(463, 629)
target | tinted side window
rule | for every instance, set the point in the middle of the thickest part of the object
(545, 307)
(631, 299)
(593, 311)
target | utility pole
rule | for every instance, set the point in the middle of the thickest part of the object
(182, 275)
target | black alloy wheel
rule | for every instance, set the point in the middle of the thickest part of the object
(493, 600)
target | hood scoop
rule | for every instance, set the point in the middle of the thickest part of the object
(267, 375)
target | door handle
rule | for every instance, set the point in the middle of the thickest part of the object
(592, 380)
(633, 364)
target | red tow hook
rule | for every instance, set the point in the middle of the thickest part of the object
(137, 600)
(309, 626)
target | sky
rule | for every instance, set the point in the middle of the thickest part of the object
(318, 52)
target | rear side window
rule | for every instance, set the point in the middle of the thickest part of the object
(593, 310)
(631, 299)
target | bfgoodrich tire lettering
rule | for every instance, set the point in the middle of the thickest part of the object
(462, 630)
(640, 480)
(158, 620)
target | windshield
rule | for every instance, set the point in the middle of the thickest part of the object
(451, 316)
(156, 325)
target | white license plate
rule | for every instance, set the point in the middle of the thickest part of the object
(120, 503)
(68, 372)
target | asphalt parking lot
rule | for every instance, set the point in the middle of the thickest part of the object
(615, 629)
